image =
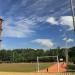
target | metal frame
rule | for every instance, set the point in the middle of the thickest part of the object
(46, 57)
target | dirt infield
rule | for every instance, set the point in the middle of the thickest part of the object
(54, 68)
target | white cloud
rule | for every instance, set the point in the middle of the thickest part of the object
(66, 20)
(68, 40)
(52, 20)
(63, 20)
(64, 39)
(44, 42)
(18, 28)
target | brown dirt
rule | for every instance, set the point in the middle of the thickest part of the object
(54, 68)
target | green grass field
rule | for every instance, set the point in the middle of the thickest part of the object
(71, 68)
(21, 67)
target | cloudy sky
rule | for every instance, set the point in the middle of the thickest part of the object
(37, 23)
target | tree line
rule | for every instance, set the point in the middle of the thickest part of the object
(30, 55)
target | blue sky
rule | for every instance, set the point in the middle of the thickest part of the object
(36, 23)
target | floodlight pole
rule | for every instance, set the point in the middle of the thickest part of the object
(66, 52)
(13, 56)
(72, 10)
(38, 63)
(58, 63)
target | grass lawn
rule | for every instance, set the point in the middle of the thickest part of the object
(71, 68)
(21, 67)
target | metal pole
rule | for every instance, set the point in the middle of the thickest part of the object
(13, 56)
(58, 63)
(66, 50)
(72, 10)
(37, 63)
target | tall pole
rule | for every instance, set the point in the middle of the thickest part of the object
(38, 63)
(13, 56)
(1, 20)
(66, 50)
(73, 19)
(58, 64)
(72, 10)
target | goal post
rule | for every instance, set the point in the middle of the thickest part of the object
(38, 61)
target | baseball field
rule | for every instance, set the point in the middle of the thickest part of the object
(26, 69)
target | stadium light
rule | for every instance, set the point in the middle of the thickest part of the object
(72, 10)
